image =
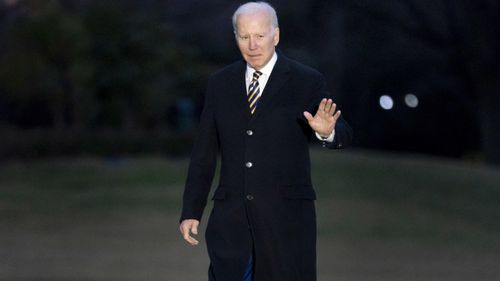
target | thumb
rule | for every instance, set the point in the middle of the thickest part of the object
(308, 116)
(194, 228)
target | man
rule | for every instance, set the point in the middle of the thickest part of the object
(257, 116)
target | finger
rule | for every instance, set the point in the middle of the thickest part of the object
(182, 227)
(337, 115)
(192, 241)
(185, 231)
(322, 105)
(187, 237)
(332, 109)
(194, 228)
(328, 106)
(308, 116)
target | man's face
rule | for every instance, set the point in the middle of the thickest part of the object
(256, 38)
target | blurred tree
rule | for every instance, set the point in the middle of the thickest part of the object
(108, 65)
(141, 68)
(46, 59)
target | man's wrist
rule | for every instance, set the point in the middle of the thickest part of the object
(328, 138)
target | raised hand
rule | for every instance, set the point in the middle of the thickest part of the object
(323, 122)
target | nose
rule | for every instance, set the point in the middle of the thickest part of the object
(252, 44)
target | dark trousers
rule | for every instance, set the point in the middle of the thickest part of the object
(247, 276)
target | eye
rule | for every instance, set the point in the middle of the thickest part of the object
(243, 37)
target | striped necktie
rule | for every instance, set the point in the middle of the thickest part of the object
(254, 91)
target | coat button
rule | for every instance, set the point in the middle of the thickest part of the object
(249, 164)
(249, 132)
(249, 197)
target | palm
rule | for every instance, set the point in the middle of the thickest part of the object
(323, 122)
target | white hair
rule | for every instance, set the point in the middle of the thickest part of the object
(252, 7)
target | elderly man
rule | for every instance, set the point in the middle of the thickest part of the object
(257, 116)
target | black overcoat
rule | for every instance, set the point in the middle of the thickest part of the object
(264, 202)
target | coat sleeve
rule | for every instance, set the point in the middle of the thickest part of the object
(203, 162)
(343, 135)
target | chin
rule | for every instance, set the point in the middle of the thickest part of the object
(256, 64)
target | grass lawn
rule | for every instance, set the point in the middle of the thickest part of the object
(380, 217)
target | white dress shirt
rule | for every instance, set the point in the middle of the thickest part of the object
(266, 72)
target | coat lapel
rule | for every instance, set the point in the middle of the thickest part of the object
(279, 76)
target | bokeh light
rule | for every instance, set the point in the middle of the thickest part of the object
(386, 102)
(411, 100)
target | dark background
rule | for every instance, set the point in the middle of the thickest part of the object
(99, 105)
(100, 100)
(121, 77)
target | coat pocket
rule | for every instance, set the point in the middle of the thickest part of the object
(219, 194)
(304, 192)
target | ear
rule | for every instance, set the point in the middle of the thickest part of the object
(276, 38)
